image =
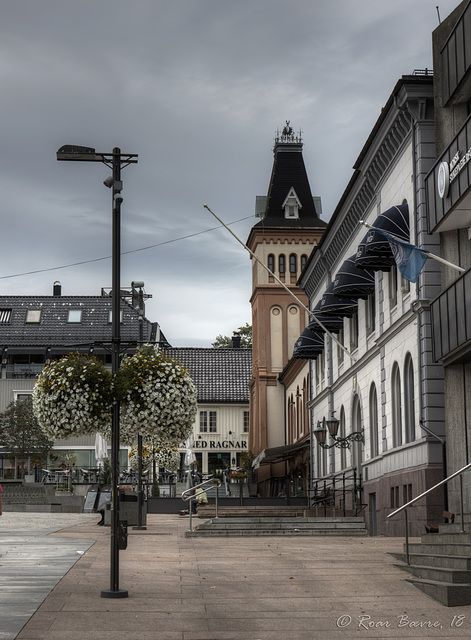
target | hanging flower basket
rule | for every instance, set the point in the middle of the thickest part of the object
(146, 457)
(73, 396)
(157, 398)
(167, 457)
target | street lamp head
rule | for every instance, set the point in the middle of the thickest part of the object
(332, 425)
(108, 182)
(320, 433)
(77, 154)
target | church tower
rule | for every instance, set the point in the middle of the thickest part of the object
(289, 229)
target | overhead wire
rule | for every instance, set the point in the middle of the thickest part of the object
(151, 246)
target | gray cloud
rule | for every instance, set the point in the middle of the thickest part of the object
(198, 89)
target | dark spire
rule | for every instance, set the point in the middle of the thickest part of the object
(288, 179)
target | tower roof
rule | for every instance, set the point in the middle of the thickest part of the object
(288, 175)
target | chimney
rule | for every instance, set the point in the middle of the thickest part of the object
(57, 289)
(236, 341)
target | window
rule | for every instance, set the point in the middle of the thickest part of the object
(33, 315)
(21, 396)
(396, 406)
(303, 261)
(271, 262)
(5, 316)
(75, 315)
(354, 331)
(282, 263)
(110, 317)
(208, 422)
(291, 205)
(340, 351)
(370, 314)
(374, 436)
(409, 400)
(392, 278)
(246, 421)
(293, 263)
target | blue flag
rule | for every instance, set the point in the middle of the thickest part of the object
(409, 258)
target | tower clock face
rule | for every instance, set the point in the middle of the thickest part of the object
(443, 179)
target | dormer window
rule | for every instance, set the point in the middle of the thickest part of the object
(74, 316)
(292, 205)
(33, 315)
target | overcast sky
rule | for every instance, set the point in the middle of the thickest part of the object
(198, 89)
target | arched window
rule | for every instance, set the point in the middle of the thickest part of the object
(282, 263)
(396, 405)
(357, 426)
(303, 261)
(374, 435)
(293, 263)
(409, 399)
(271, 262)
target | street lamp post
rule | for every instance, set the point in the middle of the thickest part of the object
(115, 160)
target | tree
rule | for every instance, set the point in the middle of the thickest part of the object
(225, 342)
(21, 435)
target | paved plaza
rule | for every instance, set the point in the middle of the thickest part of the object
(53, 568)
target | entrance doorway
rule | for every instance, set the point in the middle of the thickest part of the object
(219, 463)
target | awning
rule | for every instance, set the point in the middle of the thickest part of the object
(374, 252)
(352, 282)
(333, 323)
(309, 345)
(279, 454)
(333, 305)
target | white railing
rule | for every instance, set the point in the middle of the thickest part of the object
(190, 494)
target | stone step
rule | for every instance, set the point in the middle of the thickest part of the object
(448, 594)
(288, 521)
(439, 574)
(424, 559)
(227, 527)
(209, 511)
(452, 549)
(448, 537)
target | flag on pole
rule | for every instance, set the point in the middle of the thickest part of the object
(409, 258)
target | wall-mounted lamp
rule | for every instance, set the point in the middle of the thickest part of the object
(332, 425)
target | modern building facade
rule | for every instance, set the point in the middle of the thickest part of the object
(374, 370)
(282, 241)
(448, 188)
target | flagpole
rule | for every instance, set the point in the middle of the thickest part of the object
(311, 314)
(425, 251)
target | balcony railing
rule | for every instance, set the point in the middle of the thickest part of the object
(451, 321)
(23, 370)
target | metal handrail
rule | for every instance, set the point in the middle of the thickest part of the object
(414, 500)
(189, 494)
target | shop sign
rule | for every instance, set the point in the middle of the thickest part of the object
(449, 172)
(221, 444)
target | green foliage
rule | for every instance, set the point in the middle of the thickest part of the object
(246, 459)
(225, 342)
(21, 434)
(105, 473)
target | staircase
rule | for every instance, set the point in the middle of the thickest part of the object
(441, 565)
(232, 526)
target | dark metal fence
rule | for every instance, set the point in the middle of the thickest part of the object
(339, 495)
